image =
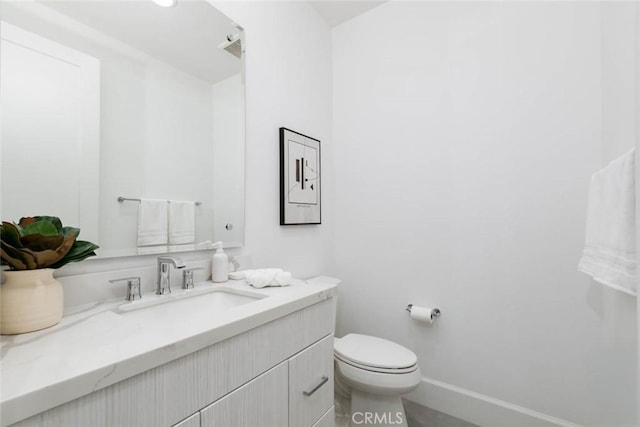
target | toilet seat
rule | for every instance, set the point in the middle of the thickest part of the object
(374, 354)
(378, 370)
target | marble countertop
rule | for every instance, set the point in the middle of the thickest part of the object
(94, 346)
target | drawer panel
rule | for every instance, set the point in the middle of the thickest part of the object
(261, 402)
(192, 421)
(311, 383)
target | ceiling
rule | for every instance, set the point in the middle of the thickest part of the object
(186, 36)
(336, 12)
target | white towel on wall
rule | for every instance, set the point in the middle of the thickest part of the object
(609, 255)
(152, 222)
(182, 222)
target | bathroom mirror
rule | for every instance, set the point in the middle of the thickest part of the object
(105, 100)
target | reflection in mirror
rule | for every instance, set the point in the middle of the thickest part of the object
(108, 99)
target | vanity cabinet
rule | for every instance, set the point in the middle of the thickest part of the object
(258, 377)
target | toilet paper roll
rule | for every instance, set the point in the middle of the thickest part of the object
(422, 314)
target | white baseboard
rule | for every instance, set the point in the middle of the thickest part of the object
(479, 409)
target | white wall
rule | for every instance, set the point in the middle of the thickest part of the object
(619, 75)
(288, 83)
(465, 135)
(637, 159)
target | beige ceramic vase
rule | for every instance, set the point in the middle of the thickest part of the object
(29, 300)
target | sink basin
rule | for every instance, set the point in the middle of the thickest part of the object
(211, 300)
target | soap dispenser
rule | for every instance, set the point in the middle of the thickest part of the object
(219, 264)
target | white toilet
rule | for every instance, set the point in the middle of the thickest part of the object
(374, 372)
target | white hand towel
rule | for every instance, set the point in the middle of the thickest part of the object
(152, 222)
(152, 250)
(609, 255)
(263, 277)
(182, 222)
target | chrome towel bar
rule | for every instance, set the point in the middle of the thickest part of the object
(129, 199)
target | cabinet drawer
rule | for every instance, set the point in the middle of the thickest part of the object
(260, 402)
(311, 383)
(328, 419)
(192, 421)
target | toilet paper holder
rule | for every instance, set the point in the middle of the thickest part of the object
(435, 312)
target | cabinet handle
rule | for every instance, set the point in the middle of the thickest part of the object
(320, 384)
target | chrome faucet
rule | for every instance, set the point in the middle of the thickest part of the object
(163, 285)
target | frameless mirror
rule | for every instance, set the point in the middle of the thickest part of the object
(107, 102)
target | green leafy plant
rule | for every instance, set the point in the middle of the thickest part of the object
(41, 242)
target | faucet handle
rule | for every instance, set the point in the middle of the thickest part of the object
(133, 287)
(187, 277)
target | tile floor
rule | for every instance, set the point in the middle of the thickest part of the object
(421, 416)
(417, 416)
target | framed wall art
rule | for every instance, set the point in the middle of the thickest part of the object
(299, 178)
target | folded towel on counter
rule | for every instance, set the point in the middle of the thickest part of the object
(609, 255)
(263, 277)
(152, 222)
(182, 222)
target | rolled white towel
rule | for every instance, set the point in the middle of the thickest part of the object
(263, 277)
(282, 279)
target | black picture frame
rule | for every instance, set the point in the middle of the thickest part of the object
(300, 179)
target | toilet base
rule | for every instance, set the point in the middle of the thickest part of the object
(376, 410)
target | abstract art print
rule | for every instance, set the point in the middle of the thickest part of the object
(299, 178)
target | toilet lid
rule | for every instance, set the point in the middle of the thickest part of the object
(374, 352)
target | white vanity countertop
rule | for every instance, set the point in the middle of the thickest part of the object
(94, 347)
